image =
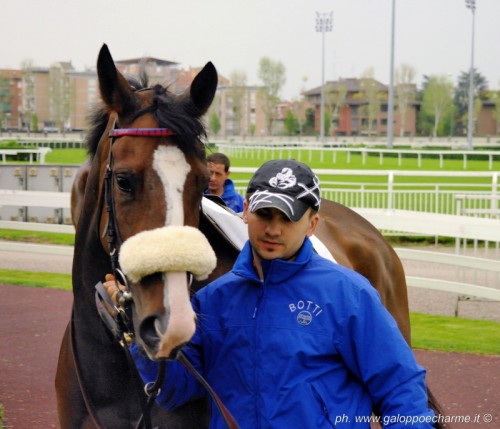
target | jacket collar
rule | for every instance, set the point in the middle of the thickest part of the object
(279, 270)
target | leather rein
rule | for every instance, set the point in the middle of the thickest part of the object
(121, 324)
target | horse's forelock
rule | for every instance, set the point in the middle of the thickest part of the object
(169, 110)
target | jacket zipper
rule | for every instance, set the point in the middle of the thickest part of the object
(259, 299)
(256, 361)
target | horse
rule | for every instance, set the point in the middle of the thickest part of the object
(146, 172)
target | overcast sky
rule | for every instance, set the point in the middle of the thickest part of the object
(434, 36)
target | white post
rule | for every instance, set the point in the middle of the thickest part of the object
(390, 116)
(471, 4)
(324, 23)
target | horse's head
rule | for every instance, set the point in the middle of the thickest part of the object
(151, 172)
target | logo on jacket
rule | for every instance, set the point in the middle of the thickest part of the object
(306, 311)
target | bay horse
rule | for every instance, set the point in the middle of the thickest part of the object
(147, 171)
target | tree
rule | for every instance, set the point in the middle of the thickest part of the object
(5, 100)
(461, 96)
(328, 121)
(437, 100)
(495, 99)
(238, 81)
(310, 121)
(30, 118)
(335, 100)
(291, 123)
(60, 95)
(371, 95)
(214, 123)
(300, 107)
(272, 75)
(405, 92)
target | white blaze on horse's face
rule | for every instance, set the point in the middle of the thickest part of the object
(172, 168)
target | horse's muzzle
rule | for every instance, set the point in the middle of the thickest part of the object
(172, 251)
(170, 325)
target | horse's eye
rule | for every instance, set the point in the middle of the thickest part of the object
(124, 183)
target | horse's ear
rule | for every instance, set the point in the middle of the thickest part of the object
(203, 88)
(115, 90)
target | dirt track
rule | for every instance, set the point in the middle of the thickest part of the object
(32, 322)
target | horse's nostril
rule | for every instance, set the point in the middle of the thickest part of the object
(148, 332)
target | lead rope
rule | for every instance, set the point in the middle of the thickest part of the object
(228, 418)
(152, 390)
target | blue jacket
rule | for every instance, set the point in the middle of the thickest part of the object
(232, 199)
(309, 347)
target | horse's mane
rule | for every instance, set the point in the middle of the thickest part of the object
(171, 111)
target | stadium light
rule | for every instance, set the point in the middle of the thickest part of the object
(324, 23)
(471, 4)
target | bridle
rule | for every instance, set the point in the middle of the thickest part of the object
(121, 325)
(114, 238)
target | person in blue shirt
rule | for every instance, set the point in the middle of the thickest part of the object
(289, 339)
(220, 184)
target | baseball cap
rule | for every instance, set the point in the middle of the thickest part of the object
(287, 185)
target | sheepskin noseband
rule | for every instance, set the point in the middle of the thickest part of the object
(170, 248)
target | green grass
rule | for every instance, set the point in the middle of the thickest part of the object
(254, 158)
(38, 237)
(66, 156)
(36, 279)
(454, 334)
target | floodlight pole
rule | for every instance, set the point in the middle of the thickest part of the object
(390, 108)
(471, 4)
(324, 23)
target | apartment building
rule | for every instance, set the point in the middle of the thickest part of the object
(61, 98)
(10, 99)
(360, 107)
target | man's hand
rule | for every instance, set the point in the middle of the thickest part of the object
(114, 290)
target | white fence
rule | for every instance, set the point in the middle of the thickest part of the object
(306, 152)
(460, 227)
(475, 194)
(37, 155)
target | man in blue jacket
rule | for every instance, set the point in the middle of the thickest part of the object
(289, 339)
(220, 184)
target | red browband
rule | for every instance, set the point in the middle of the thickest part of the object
(148, 132)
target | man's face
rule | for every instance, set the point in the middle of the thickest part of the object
(218, 176)
(273, 235)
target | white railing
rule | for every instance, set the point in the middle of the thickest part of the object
(306, 152)
(37, 155)
(477, 193)
(460, 227)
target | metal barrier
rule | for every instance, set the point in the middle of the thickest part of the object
(54, 179)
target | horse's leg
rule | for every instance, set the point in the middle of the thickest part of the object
(70, 403)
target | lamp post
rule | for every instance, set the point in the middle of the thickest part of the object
(390, 107)
(471, 4)
(324, 23)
